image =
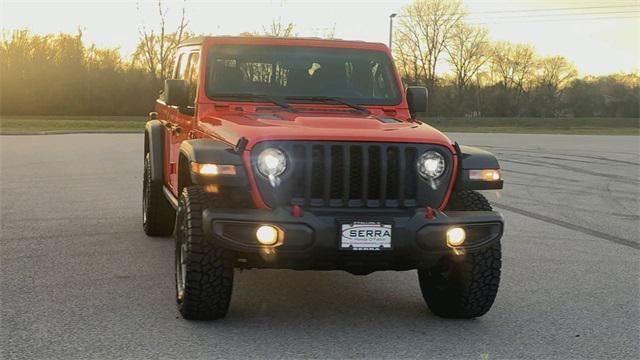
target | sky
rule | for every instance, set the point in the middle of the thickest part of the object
(599, 37)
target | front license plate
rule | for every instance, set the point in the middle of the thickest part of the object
(362, 235)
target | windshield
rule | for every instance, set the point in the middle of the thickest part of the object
(357, 76)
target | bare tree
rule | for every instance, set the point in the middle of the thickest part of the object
(514, 65)
(424, 29)
(157, 47)
(468, 50)
(329, 33)
(279, 29)
(556, 72)
(407, 56)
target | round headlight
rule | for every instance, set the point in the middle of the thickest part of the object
(431, 165)
(272, 162)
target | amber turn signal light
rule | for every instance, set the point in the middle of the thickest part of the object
(212, 169)
(485, 175)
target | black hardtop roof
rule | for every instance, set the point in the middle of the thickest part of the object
(198, 40)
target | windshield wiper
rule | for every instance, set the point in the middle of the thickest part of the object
(248, 96)
(326, 99)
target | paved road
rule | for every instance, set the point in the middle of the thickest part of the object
(79, 279)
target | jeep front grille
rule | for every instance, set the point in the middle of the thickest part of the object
(351, 175)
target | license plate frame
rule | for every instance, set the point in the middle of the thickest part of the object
(371, 235)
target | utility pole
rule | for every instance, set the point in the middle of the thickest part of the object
(391, 30)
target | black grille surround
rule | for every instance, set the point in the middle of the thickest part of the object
(352, 175)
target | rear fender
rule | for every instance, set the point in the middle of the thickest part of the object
(153, 143)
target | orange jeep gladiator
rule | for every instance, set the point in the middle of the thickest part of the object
(306, 154)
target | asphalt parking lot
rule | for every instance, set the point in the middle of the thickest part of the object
(79, 279)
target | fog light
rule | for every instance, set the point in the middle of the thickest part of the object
(455, 236)
(267, 235)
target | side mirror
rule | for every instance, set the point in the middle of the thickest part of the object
(175, 93)
(417, 99)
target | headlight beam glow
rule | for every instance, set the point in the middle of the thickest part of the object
(431, 165)
(272, 162)
(456, 236)
(267, 235)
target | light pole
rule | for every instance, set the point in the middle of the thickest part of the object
(391, 29)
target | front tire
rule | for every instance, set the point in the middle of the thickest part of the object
(463, 287)
(204, 271)
(158, 216)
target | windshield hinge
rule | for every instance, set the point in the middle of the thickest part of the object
(241, 145)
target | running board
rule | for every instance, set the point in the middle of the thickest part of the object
(169, 195)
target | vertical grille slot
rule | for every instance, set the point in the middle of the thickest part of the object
(410, 177)
(337, 175)
(346, 175)
(326, 190)
(375, 169)
(355, 180)
(402, 170)
(299, 179)
(366, 166)
(317, 173)
(393, 160)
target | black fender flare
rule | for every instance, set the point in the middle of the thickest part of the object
(473, 158)
(154, 144)
(209, 151)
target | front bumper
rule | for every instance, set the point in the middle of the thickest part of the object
(312, 240)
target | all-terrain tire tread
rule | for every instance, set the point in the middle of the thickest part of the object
(209, 277)
(468, 201)
(473, 282)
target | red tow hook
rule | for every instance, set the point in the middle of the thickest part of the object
(428, 213)
(297, 211)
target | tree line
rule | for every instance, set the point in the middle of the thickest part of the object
(488, 78)
(57, 74)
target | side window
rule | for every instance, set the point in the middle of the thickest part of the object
(191, 76)
(181, 67)
(176, 69)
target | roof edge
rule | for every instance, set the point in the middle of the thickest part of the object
(199, 40)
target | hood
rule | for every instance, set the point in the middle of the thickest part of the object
(257, 127)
